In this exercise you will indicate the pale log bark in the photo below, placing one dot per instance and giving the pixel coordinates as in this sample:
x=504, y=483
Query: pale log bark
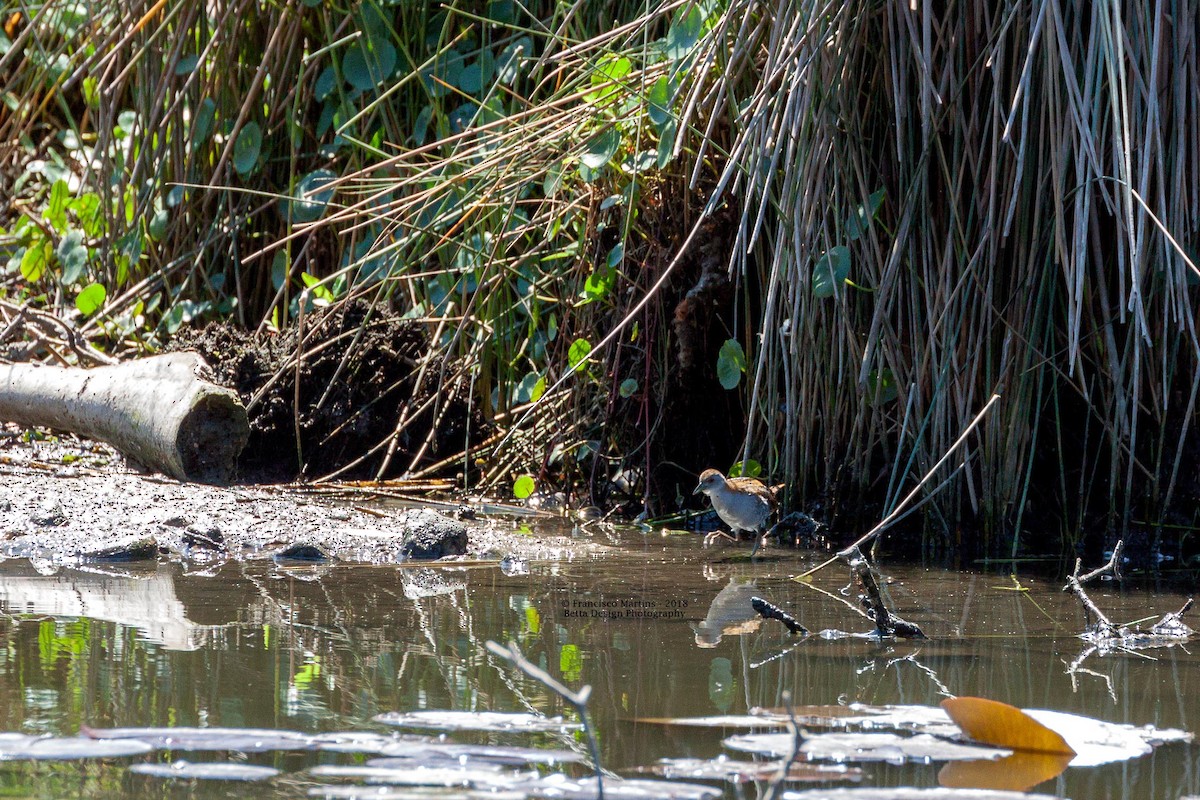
x=157, y=411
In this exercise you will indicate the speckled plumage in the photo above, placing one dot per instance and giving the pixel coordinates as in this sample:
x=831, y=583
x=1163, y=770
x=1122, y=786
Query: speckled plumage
x=745, y=504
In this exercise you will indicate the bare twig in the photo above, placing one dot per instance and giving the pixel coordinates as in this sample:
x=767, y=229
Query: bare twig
x=899, y=510
x=579, y=699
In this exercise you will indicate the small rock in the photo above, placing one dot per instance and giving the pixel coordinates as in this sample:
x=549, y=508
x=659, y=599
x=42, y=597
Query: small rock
x=210, y=539
x=301, y=552
x=430, y=535
x=49, y=514
x=177, y=521
x=133, y=548
x=465, y=512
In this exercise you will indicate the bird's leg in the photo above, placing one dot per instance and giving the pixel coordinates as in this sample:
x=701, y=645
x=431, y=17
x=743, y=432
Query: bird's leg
x=715, y=535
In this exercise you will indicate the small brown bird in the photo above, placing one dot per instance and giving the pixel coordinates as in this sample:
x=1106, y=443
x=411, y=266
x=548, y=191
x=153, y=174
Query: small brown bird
x=745, y=504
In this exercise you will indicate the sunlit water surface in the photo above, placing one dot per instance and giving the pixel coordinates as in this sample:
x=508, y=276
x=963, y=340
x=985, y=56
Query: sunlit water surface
x=659, y=629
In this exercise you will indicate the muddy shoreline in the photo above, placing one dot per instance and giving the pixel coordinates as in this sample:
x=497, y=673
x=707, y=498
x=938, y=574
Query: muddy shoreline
x=66, y=502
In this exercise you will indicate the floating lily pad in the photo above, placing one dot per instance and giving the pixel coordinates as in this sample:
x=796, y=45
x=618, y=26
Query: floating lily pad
x=356, y=742
x=1097, y=742
x=15, y=747
x=241, y=740
x=903, y=793
x=477, y=778
x=476, y=721
x=494, y=754
x=560, y=786
x=726, y=721
x=1094, y=741
x=725, y=769
x=408, y=793
x=856, y=747
x=210, y=771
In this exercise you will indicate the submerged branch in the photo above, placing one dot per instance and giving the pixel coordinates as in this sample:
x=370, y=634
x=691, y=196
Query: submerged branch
x=578, y=700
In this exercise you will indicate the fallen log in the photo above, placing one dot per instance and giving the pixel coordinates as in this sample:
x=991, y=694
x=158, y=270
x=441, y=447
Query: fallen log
x=157, y=411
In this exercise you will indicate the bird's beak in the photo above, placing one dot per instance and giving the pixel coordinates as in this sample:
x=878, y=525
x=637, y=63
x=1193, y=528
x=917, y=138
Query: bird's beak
x=699, y=486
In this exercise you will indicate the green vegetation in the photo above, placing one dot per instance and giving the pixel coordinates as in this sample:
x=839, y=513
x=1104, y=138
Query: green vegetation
x=916, y=209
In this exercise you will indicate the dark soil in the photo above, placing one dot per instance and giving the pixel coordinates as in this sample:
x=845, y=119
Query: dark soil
x=356, y=375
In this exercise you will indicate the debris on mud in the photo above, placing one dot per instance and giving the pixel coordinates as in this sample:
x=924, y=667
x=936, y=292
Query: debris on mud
x=360, y=389
x=64, y=502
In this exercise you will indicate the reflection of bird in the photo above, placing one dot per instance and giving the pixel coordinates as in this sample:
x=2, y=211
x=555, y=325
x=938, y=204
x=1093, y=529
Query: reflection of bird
x=745, y=504
x=730, y=614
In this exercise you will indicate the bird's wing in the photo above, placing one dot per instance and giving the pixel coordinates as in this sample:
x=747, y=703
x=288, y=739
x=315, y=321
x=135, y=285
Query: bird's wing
x=754, y=487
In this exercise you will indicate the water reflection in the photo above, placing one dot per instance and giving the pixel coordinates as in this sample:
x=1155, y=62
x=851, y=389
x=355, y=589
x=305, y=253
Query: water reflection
x=144, y=600
x=658, y=630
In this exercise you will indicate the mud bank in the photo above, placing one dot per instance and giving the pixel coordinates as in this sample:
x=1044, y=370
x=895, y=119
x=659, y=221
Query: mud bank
x=68, y=502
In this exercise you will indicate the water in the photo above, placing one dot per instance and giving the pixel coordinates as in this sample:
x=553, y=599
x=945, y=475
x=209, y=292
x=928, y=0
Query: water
x=654, y=628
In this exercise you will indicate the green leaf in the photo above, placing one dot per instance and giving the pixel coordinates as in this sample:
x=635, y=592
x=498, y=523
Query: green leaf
x=746, y=469
x=599, y=284
x=527, y=386
x=157, y=228
x=830, y=271
x=616, y=255
x=881, y=387
x=478, y=74
x=578, y=352
x=87, y=211
x=56, y=208
x=570, y=663
x=512, y=58
x=628, y=387
x=659, y=108
x=202, y=122
x=187, y=64
x=247, y=148
x=73, y=255
x=611, y=68
x=126, y=121
x=320, y=292
x=326, y=83
x=90, y=299
x=502, y=12
x=684, y=31
x=369, y=63
x=539, y=389
x=731, y=363
x=35, y=260
x=666, y=143
x=600, y=149
x=312, y=195
x=523, y=486
x=860, y=220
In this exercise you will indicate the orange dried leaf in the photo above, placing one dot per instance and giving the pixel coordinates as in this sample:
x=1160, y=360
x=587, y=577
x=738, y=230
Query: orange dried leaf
x=1001, y=725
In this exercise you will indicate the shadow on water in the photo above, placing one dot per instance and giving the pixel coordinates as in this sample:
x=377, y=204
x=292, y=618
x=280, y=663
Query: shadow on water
x=659, y=628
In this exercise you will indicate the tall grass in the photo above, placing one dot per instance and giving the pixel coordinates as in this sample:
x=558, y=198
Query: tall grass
x=933, y=203
x=1039, y=182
